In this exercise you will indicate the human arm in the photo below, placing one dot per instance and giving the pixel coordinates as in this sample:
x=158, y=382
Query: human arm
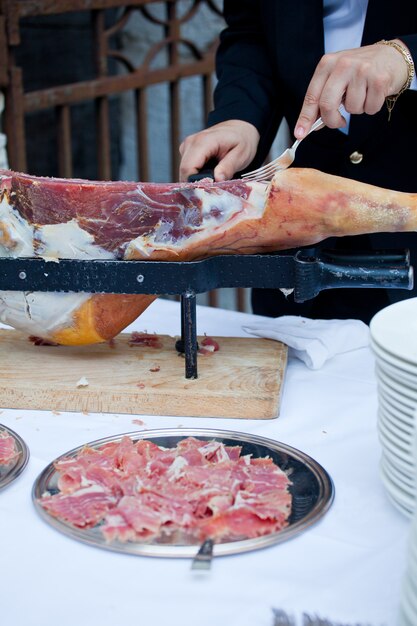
x=361, y=79
x=246, y=104
x=232, y=144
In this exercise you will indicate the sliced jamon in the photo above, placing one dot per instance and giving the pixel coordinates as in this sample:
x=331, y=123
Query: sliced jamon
x=140, y=491
x=8, y=448
x=116, y=528
x=145, y=520
x=208, y=346
x=240, y=523
x=83, y=508
x=145, y=339
x=59, y=218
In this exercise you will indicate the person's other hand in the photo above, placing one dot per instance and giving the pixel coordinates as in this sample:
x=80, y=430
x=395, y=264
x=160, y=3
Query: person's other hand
x=232, y=144
x=360, y=78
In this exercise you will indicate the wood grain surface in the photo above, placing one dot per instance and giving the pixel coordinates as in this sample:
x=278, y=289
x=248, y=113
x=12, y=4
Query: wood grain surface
x=243, y=379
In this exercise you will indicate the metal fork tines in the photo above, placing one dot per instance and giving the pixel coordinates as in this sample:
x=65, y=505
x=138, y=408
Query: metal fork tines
x=266, y=172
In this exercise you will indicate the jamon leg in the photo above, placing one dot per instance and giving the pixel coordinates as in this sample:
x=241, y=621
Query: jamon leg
x=305, y=206
x=59, y=218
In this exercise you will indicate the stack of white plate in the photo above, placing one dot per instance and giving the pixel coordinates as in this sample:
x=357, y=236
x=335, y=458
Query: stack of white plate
x=394, y=343
x=408, y=604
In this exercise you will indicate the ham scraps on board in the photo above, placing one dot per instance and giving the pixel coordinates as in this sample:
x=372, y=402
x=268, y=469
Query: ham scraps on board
x=138, y=491
x=144, y=339
x=66, y=218
x=8, y=449
x=208, y=345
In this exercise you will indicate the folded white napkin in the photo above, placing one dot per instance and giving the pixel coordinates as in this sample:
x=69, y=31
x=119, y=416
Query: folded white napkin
x=313, y=341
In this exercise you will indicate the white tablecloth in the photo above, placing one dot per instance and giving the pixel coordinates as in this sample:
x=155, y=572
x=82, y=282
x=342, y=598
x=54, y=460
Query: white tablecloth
x=347, y=567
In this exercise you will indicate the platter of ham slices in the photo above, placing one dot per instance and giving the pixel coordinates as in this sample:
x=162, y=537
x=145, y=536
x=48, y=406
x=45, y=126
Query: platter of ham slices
x=14, y=455
x=164, y=492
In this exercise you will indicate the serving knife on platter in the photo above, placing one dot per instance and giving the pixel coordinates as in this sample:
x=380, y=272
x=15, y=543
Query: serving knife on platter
x=204, y=556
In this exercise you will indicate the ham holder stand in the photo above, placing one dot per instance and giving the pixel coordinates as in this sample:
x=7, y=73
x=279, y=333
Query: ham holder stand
x=307, y=271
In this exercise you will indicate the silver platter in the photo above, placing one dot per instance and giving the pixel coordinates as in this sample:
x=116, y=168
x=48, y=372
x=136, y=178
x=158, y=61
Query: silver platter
x=10, y=472
x=312, y=493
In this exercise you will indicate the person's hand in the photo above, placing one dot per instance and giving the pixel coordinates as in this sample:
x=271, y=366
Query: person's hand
x=232, y=144
x=361, y=79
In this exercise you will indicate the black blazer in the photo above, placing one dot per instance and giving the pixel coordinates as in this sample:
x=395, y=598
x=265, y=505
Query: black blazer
x=266, y=58
x=265, y=61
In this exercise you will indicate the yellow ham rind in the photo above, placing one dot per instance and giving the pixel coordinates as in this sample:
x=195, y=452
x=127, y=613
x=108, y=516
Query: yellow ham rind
x=100, y=318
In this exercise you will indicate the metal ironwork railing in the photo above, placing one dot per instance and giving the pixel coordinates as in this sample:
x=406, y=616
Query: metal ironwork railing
x=170, y=16
x=135, y=78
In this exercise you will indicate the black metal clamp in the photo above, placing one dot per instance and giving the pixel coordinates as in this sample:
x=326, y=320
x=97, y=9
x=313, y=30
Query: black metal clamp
x=305, y=271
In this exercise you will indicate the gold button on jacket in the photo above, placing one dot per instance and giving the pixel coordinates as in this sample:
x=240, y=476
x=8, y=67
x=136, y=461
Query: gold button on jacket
x=356, y=157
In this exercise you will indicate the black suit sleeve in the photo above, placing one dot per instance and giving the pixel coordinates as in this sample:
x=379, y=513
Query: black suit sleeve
x=247, y=88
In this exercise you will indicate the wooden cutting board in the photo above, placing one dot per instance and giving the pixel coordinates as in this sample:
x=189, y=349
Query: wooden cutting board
x=243, y=379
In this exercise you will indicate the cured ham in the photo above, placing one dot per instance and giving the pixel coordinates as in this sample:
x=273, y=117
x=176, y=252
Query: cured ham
x=59, y=218
x=138, y=491
x=8, y=449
